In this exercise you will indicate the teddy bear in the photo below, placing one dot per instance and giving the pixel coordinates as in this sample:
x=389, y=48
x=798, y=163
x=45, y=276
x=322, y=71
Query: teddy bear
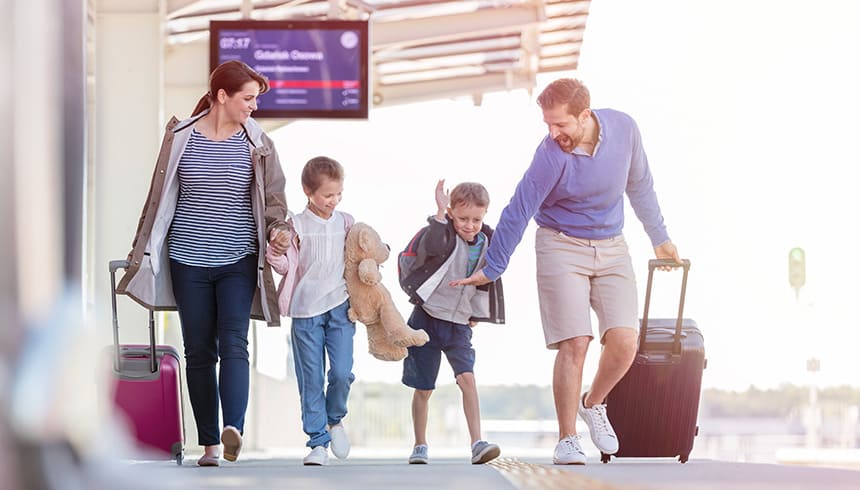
x=388, y=335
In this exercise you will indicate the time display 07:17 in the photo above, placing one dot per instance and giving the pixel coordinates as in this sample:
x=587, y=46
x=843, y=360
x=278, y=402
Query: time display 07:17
x=230, y=42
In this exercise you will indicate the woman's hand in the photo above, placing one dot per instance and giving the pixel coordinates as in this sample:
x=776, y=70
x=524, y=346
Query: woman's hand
x=280, y=241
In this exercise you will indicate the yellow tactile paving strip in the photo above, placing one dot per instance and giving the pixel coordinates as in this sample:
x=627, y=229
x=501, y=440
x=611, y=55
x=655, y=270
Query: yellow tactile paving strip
x=528, y=476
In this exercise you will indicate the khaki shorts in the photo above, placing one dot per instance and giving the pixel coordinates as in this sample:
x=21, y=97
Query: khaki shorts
x=577, y=274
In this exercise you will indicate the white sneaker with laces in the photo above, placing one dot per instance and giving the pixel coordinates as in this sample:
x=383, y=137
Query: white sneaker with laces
x=568, y=451
x=599, y=427
x=339, y=441
x=419, y=455
x=317, y=457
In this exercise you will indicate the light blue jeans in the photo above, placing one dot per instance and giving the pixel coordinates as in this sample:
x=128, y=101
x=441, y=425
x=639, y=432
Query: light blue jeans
x=312, y=338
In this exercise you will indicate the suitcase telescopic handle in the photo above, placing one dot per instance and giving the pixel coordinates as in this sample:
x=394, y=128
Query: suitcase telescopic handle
x=652, y=265
x=115, y=265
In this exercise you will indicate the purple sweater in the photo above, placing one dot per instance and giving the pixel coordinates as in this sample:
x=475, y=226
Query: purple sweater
x=580, y=195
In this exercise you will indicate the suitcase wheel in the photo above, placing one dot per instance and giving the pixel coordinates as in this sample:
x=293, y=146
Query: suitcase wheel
x=179, y=458
x=604, y=458
x=684, y=458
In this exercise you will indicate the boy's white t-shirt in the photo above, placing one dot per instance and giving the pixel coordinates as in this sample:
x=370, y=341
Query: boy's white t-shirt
x=320, y=285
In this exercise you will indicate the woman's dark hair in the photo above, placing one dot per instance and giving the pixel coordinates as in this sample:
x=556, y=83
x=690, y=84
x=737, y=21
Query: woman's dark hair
x=229, y=76
x=318, y=168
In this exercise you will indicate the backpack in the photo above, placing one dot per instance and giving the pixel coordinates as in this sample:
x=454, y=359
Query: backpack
x=408, y=262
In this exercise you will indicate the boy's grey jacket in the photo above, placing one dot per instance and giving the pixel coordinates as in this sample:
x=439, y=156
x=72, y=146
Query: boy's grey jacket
x=436, y=243
x=147, y=279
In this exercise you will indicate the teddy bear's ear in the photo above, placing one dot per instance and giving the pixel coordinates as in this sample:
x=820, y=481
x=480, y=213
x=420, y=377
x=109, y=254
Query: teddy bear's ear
x=364, y=239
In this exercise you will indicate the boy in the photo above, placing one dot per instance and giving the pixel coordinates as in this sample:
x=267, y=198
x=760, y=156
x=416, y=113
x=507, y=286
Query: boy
x=450, y=248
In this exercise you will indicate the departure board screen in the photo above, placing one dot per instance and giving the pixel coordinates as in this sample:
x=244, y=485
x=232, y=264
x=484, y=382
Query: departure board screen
x=316, y=69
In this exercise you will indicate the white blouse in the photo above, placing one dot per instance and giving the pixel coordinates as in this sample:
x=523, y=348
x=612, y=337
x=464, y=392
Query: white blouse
x=320, y=284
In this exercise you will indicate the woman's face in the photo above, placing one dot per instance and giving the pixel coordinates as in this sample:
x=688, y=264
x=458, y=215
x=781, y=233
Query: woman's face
x=240, y=105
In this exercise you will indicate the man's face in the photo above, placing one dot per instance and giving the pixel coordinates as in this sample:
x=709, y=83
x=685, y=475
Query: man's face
x=566, y=129
x=467, y=219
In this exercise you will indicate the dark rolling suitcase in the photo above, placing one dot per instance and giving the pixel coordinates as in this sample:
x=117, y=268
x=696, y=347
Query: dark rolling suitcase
x=653, y=408
x=148, y=388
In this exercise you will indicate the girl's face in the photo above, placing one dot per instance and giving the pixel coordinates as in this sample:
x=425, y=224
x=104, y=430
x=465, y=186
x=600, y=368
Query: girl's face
x=323, y=200
x=240, y=105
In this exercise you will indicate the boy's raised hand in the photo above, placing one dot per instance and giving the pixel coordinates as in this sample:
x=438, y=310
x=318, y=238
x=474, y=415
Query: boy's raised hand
x=442, y=199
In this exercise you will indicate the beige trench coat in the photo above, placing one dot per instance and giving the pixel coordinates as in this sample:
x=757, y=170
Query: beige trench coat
x=147, y=279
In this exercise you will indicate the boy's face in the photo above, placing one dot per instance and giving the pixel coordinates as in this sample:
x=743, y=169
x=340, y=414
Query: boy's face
x=467, y=219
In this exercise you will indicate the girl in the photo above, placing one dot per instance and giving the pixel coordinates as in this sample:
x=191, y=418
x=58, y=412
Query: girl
x=313, y=292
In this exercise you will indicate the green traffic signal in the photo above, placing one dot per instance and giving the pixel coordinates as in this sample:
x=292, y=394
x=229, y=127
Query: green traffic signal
x=797, y=267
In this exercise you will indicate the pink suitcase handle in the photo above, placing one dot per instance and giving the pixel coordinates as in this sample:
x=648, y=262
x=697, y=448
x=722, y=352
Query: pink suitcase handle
x=153, y=362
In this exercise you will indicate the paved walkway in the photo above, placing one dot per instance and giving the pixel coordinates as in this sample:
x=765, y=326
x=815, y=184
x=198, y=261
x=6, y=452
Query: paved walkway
x=262, y=471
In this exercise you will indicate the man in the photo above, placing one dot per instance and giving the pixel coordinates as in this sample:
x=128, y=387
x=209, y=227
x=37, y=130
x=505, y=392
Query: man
x=574, y=189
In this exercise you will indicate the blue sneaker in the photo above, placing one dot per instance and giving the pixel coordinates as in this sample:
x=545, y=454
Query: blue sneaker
x=483, y=451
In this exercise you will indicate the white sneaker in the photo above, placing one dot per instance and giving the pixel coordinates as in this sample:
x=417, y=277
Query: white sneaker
x=599, y=427
x=339, y=441
x=568, y=451
x=317, y=457
x=419, y=455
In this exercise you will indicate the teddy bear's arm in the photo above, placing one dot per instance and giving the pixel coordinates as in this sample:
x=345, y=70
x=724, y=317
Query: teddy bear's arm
x=368, y=272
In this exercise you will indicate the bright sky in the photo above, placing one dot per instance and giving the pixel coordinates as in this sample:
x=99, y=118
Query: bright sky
x=748, y=111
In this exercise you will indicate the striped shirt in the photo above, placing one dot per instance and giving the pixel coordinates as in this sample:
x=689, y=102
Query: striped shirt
x=213, y=225
x=475, y=250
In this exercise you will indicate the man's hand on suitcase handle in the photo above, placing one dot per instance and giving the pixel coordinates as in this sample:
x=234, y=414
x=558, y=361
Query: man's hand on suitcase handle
x=668, y=251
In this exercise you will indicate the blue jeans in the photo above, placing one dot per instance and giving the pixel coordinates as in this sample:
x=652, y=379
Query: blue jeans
x=215, y=310
x=312, y=338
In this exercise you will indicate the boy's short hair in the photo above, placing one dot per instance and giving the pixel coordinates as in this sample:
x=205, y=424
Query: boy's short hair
x=469, y=193
x=319, y=167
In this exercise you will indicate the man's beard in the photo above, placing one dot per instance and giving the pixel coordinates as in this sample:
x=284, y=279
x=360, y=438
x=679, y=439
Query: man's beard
x=566, y=143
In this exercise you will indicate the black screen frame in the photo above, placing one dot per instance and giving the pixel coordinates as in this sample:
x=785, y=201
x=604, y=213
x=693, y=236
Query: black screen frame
x=361, y=26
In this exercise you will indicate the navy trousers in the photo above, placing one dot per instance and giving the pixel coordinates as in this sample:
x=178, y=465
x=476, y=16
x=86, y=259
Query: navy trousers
x=215, y=310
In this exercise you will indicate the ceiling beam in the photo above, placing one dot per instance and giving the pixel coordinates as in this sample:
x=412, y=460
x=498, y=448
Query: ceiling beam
x=408, y=32
x=405, y=93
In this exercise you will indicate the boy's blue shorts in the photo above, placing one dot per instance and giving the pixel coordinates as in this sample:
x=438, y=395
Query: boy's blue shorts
x=421, y=367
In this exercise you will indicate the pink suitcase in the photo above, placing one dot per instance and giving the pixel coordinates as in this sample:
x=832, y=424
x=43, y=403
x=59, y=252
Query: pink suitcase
x=148, y=389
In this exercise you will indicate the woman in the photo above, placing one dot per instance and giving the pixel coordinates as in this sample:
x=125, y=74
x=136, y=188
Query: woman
x=216, y=194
